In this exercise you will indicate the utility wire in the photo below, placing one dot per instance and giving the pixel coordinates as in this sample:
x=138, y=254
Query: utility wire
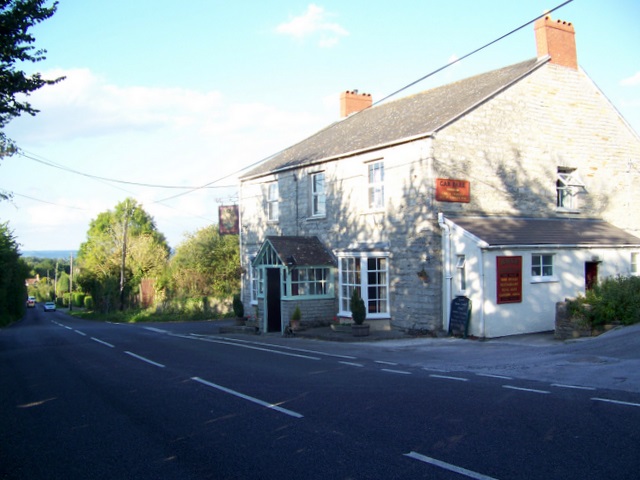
x=206, y=185
x=96, y=177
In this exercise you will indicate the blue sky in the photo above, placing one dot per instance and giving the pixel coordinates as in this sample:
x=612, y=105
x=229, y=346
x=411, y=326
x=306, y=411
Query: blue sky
x=185, y=93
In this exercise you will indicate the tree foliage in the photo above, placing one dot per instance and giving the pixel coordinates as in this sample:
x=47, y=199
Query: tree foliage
x=206, y=264
x=13, y=273
x=16, y=49
x=127, y=228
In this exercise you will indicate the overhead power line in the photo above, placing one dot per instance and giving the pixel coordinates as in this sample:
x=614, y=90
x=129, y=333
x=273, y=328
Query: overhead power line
x=97, y=177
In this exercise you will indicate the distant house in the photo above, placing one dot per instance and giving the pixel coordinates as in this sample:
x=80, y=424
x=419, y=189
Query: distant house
x=515, y=188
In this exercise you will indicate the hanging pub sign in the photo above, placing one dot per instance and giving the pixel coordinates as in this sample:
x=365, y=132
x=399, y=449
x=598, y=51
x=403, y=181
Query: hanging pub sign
x=228, y=220
x=450, y=190
x=509, y=279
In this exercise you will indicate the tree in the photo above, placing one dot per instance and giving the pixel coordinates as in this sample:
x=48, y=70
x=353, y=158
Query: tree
x=13, y=273
x=122, y=247
x=207, y=263
x=16, y=49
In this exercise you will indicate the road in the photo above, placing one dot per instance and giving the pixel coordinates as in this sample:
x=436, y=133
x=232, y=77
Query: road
x=90, y=400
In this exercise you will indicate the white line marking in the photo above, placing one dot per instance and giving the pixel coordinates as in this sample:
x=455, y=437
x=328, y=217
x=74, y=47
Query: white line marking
x=100, y=341
x=282, y=347
x=503, y=377
x=157, y=330
x=381, y=362
x=617, y=402
x=448, y=466
x=352, y=364
x=247, y=397
x=402, y=372
x=145, y=359
x=211, y=340
x=576, y=387
x=447, y=377
x=525, y=389
x=68, y=328
x=80, y=333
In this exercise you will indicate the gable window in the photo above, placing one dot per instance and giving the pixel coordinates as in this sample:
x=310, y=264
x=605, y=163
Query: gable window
x=257, y=285
x=568, y=185
x=542, y=268
x=369, y=274
x=272, y=202
x=635, y=263
x=318, y=195
x=376, y=185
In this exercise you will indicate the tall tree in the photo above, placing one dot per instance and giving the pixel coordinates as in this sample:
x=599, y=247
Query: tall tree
x=122, y=247
x=207, y=263
x=16, y=49
x=13, y=273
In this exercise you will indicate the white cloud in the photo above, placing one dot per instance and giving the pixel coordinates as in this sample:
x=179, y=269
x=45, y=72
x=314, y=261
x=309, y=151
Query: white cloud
x=631, y=81
x=314, y=22
x=85, y=105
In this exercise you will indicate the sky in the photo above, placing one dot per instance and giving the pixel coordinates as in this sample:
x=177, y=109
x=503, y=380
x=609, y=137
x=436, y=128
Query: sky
x=188, y=94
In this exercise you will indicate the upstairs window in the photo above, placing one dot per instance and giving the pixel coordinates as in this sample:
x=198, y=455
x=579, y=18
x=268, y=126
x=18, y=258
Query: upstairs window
x=635, y=266
x=272, y=202
x=318, y=195
x=376, y=185
x=568, y=185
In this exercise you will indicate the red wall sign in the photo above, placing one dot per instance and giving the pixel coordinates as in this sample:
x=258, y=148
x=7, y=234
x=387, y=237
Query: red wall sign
x=449, y=190
x=509, y=279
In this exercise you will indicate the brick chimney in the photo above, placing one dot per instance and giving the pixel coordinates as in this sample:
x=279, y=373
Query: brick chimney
x=556, y=38
x=352, y=102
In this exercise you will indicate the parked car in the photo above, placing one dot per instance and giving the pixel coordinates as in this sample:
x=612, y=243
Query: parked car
x=31, y=302
x=49, y=307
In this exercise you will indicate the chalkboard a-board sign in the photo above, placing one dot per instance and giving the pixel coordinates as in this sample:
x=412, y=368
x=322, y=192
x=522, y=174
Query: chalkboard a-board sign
x=459, y=316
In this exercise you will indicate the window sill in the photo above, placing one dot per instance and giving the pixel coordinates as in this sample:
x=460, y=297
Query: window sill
x=551, y=279
x=567, y=210
x=313, y=218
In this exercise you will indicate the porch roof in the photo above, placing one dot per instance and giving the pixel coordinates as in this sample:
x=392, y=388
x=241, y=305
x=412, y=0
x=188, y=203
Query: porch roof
x=295, y=251
x=510, y=231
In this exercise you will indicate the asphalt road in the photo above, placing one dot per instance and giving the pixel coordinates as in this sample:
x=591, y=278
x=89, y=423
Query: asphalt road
x=88, y=400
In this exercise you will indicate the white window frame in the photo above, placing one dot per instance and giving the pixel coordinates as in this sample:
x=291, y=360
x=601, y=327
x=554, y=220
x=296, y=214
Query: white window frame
x=358, y=276
x=543, y=267
x=635, y=263
x=318, y=194
x=375, y=182
x=568, y=185
x=462, y=273
x=273, y=210
x=310, y=282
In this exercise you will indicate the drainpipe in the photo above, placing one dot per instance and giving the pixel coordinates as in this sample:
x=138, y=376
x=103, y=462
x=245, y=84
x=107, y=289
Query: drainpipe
x=482, y=290
x=446, y=263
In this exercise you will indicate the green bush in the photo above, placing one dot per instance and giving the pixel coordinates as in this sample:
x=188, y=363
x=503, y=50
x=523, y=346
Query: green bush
x=613, y=300
x=78, y=299
x=358, y=308
x=88, y=302
x=238, y=307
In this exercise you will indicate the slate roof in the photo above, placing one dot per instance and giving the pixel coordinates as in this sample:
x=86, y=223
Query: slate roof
x=501, y=231
x=301, y=251
x=411, y=117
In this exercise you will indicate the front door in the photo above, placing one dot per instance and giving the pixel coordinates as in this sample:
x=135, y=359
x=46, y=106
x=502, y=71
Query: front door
x=590, y=275
x=274, y=316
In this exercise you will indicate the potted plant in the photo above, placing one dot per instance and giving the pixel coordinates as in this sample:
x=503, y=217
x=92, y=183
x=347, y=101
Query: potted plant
x=238, y=309
x=358, y=313
x=296, y=316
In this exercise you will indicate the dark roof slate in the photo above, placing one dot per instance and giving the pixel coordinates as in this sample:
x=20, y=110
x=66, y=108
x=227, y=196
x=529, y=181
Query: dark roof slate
x=393, y=122
x=301, y=251
x=501, y=231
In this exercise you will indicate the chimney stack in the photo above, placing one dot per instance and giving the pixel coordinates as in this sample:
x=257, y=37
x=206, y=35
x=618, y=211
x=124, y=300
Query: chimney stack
x=352, y=102
x=556, y=38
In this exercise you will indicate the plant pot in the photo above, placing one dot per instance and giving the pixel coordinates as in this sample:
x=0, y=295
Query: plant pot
x=295, y=325
x=360, y=330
